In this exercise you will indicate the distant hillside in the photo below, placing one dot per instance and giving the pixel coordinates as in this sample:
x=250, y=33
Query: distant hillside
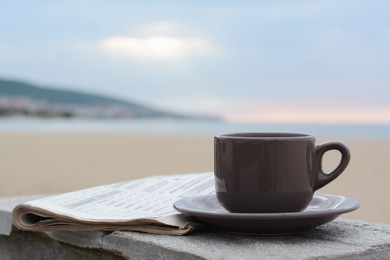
x=18, y=97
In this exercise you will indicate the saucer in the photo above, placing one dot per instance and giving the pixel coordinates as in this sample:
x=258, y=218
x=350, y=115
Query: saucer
x=322, y=209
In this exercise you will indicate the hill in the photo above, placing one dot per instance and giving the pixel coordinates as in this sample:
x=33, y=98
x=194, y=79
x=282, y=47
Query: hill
x=21, y=98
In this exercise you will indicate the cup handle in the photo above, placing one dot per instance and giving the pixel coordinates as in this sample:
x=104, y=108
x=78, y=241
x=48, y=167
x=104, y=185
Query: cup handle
x=322, y=177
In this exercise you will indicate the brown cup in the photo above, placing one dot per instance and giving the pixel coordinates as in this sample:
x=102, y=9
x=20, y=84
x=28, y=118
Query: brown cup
x=271, y=172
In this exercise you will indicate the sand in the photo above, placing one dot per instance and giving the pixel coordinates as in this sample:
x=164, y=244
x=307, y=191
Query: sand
x=41, y=163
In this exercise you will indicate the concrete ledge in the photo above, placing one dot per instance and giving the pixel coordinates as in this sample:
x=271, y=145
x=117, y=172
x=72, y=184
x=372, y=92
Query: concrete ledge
x=340, y=239
x=36, y=245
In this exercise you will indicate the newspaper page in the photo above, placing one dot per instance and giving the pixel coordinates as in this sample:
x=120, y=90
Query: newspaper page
x=144, y=205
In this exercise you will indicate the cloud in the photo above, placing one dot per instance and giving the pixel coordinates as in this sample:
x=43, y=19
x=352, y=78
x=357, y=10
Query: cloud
x=155, y=41
x=157, y=47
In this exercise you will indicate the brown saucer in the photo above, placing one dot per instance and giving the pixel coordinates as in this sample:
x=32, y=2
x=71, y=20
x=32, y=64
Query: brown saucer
x=322, y=209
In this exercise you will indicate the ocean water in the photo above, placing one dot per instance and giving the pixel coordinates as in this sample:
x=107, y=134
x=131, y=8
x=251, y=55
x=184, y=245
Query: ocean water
x=154, y=126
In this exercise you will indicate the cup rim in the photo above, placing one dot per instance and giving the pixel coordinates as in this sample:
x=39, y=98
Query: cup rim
x=266, y=136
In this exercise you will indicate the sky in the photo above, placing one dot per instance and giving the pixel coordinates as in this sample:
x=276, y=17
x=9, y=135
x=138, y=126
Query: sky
x=247, y=61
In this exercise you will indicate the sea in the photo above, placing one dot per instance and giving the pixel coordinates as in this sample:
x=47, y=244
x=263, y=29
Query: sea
x=172, y=126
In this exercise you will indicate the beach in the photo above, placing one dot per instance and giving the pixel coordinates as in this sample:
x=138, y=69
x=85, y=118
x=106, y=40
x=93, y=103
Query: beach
x=47, y=163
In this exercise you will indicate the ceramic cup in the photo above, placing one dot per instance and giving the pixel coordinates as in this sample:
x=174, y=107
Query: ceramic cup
x=271, y=172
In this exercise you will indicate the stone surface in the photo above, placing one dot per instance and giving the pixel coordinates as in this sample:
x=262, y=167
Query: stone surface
x=36, y=245
x=340, y=239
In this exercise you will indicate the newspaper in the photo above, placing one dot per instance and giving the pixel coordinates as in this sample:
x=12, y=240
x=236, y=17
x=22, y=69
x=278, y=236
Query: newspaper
x=144, y=205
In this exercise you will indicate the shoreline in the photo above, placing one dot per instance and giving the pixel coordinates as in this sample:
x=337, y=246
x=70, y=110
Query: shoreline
x=44, y=163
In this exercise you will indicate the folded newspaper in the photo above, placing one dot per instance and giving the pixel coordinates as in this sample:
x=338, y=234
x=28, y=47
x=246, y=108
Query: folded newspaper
x=144, y=205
